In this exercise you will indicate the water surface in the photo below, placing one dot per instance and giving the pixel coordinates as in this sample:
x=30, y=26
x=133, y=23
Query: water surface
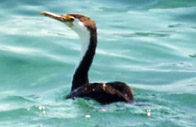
x=150, y=44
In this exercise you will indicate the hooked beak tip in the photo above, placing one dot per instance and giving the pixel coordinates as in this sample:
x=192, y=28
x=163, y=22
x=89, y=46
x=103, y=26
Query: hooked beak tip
x=42, y=13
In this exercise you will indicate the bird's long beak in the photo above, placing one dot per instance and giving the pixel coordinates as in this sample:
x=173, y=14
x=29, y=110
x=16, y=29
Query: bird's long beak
x=67, y=19
x=54, y=16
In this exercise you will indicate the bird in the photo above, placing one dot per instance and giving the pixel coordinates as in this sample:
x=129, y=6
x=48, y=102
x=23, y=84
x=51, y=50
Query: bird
x=103, y=93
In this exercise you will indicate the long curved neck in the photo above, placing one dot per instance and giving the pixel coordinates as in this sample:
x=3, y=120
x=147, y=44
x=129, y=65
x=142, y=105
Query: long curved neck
x=89, y=42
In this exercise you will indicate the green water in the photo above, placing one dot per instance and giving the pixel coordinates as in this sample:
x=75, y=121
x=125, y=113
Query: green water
x=150, y=44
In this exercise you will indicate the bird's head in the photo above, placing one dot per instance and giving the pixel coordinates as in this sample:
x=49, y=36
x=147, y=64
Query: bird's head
x=79, y=23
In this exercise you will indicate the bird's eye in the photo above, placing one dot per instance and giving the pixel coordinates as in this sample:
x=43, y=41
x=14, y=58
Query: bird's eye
x=70, y=20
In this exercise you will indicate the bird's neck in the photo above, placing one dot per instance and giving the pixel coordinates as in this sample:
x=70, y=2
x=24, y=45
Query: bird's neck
x=88, y=47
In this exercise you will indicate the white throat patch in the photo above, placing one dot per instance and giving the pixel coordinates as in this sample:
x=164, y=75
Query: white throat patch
x=84, y=35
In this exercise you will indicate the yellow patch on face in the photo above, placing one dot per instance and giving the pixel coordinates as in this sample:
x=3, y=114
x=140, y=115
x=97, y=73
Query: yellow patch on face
x=69, y=17
x=69, y=24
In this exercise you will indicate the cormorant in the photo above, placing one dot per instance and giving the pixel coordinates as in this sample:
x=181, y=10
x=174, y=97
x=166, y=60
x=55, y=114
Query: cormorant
x=104, y=93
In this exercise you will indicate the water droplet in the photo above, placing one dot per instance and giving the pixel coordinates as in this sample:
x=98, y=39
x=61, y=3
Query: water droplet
x=41, y=107
x=44, y=112
x=148, y=112
x=87, y=116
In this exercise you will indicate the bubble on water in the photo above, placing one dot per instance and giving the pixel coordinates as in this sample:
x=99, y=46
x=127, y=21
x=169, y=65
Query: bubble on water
x=44, y=112
x=148, y=112
x=41, y=107
x=87, y=116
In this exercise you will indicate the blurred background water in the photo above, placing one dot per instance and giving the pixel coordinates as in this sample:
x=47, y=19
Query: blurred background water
x=149, y=44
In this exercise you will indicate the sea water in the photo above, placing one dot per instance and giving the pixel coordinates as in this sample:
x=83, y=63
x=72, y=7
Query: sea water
x=149, y=44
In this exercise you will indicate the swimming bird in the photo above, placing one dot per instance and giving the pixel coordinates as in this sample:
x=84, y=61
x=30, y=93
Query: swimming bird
x=104, y=93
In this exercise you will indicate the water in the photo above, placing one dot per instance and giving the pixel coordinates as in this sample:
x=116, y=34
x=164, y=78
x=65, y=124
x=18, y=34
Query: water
x=149, y=44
